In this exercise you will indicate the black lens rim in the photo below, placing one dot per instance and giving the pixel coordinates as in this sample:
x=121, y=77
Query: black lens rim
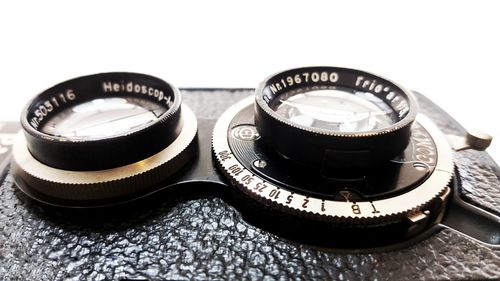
x=333, y=149
x=109, y=152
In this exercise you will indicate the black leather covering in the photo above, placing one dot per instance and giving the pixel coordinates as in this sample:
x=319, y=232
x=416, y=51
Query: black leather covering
x=201, y=237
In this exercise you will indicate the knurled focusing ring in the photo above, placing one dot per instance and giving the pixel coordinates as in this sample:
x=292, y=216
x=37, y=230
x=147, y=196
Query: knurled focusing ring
x=125, y=117
x=350, y=133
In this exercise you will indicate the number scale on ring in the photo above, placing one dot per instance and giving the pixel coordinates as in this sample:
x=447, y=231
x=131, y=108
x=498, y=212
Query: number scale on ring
x=376, y=210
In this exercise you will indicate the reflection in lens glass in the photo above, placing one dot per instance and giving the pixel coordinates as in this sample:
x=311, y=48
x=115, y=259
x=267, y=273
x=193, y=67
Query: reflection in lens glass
x=337, y=109
x=101, y=118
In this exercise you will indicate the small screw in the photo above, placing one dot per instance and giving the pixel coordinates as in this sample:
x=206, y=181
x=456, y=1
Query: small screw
x=260, y=163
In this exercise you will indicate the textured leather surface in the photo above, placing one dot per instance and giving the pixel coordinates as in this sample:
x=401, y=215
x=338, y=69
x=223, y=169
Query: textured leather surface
x=480, y=174
x=480, y=185
x=204, y=238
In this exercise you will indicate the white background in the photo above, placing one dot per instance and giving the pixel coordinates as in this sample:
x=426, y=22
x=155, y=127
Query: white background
x=448, y=50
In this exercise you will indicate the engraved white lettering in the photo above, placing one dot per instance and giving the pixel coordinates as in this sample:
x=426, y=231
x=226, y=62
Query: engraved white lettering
x=132, y=87
x=106, y=87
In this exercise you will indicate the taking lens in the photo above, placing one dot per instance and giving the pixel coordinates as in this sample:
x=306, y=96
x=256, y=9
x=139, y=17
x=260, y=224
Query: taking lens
x=335, y=109
x=334, y=118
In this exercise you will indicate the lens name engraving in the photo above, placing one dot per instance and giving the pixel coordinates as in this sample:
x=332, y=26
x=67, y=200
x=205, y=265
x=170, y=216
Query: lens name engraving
x=371, y=85
x=132, y=87
x=324, y=77
x=424, y=149
x=399, y=104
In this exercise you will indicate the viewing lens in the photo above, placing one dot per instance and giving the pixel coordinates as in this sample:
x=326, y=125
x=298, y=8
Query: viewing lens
x=103, y=139
x=102, y=121
x=104, y=117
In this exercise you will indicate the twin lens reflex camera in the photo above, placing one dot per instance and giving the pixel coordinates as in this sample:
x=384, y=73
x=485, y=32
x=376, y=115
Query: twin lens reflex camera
x=318, y=173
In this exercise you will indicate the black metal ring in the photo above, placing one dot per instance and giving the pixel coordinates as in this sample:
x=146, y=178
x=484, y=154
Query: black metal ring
x=332, y=150
x=108, y=152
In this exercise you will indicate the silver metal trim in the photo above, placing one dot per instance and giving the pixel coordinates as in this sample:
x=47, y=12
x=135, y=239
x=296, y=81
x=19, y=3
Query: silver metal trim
x=109, y=183
x=401, y=205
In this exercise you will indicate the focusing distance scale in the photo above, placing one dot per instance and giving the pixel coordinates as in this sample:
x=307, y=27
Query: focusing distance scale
x=102, y=121
x=334, y=118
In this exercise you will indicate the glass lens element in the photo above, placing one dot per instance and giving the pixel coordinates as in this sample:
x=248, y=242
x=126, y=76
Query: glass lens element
x=335, y=109
x=100, y=118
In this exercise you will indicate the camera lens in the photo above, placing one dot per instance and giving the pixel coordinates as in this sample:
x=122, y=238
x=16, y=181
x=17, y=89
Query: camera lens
x=337, y=146
x=102, y=121
x=101, y=118
x=334, y=118
x=340, y=110
x=98, y=139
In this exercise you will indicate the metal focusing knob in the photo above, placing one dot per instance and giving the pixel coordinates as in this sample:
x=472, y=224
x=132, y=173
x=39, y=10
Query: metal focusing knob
x=99, y=139
x=479, y=140
x=476, y=140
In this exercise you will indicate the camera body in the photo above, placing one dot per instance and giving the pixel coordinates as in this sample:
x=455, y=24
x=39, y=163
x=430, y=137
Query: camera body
x=197, y=229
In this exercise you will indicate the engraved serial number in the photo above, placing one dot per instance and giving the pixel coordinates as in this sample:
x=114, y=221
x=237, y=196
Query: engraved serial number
x=304, y=77
x=50, y=104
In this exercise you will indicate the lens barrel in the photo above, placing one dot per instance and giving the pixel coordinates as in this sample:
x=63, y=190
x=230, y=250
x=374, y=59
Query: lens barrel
x=333, y=149
x=102, y=140
x=62, y=151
